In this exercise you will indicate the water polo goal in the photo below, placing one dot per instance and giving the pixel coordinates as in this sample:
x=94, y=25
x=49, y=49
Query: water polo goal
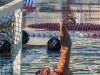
x=10, y=30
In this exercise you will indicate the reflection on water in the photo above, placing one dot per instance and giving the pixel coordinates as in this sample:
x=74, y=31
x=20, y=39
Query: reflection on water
x=85, y=58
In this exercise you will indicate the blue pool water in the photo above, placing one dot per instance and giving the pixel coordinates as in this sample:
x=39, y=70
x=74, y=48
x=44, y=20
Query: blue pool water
x=85, y=57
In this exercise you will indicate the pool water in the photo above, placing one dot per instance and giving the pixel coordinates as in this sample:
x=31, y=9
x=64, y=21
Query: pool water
x=85, y=57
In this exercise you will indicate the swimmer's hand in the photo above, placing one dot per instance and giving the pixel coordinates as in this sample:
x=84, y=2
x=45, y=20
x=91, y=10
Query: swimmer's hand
x=67, y=20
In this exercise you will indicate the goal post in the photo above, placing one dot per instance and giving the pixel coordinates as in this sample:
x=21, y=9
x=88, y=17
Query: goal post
x=17, y=43
x=11, y=22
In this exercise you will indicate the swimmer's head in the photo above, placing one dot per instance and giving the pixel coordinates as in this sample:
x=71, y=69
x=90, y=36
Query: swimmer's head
x=53, y=45
x=25, y=37
x=5, y=46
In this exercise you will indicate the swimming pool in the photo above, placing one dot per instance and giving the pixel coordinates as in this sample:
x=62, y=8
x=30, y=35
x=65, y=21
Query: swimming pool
x=85, y=57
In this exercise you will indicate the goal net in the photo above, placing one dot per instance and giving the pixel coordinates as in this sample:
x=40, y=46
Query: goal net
x=10, y=37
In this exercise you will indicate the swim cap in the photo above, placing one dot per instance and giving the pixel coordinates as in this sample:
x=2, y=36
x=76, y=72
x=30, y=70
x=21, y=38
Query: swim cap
x=5, y=46
x=25, y=37
x=53, y=44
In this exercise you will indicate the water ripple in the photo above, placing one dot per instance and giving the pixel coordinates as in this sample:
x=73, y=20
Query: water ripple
x=85, y=58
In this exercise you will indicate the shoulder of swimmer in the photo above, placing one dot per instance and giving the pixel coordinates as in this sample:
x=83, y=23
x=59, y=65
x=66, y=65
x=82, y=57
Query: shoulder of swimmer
x=31, y=46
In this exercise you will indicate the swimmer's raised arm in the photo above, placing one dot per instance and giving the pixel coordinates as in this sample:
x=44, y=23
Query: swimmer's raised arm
x=65, y=40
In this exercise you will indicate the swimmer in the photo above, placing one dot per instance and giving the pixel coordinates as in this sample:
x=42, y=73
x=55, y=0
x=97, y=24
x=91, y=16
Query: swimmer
x=53, y=44
x=25, y=39
x=65, y=41
x=5, y=48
